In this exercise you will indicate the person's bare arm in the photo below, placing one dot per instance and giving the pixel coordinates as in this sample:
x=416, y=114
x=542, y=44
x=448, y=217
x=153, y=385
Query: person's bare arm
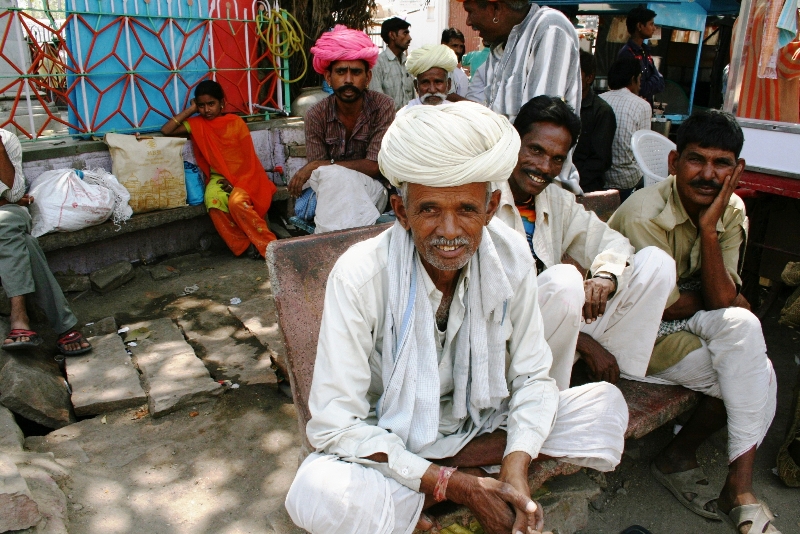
x=490, y=500
x=718, y=288
x=364, y=166
x=455, y=97
x=689, y=303
x=174, y=127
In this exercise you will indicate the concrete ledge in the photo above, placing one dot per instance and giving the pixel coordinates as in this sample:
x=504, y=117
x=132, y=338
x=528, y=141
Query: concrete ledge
x=65, y=147
x=141, y=221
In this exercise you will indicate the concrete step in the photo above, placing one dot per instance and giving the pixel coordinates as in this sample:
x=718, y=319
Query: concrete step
x=173, y=376
x=104, y=379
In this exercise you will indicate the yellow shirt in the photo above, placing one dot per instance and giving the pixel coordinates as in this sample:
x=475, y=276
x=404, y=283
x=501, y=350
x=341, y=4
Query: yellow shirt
x=655, y=216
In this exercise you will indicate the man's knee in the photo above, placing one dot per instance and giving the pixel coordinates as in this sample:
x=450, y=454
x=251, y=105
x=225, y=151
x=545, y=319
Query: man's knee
x=659, y=264
x=564, y=282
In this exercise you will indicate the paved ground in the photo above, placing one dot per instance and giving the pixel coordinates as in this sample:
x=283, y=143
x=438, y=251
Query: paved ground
x=224, y=466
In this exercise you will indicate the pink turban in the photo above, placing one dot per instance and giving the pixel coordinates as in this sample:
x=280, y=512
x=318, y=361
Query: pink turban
x=343, y=44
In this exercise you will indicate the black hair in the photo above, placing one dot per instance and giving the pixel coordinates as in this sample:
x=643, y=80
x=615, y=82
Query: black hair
x=711, y=128
x=515, y=5
x=393, y=24
x=588, y=63
x=452, y=33
x=623, y=71
x=638, y=15
x=210, y=88
x=550, y=109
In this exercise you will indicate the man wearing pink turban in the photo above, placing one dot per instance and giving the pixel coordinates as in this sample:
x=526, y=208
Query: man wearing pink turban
x=343, y=136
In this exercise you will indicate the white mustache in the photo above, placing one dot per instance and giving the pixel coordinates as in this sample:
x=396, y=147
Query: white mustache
x=426, y=96
x=442, y=242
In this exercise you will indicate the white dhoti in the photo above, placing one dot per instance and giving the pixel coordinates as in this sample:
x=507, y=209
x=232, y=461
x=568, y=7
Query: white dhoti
x=345, y=198
x=627, y=329
x=331, y=496
x=731, y=365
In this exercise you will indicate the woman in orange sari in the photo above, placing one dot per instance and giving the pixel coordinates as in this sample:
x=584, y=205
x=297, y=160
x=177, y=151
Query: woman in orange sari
x=238, y=191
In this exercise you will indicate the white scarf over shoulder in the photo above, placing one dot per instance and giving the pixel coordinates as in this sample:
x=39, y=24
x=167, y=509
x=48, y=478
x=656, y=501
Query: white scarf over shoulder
x=409, y=406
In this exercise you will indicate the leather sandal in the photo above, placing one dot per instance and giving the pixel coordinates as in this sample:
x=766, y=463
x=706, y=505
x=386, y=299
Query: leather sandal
x=683, y=482
x=758, y=514
x=34, y=340
x=73, y=336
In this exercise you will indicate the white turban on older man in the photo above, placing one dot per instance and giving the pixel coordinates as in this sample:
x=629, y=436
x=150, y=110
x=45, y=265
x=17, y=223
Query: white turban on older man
x=429, y=56
x=448, y=145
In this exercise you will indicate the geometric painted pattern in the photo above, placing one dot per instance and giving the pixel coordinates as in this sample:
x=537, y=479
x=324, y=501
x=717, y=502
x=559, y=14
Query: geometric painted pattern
x=129, y=65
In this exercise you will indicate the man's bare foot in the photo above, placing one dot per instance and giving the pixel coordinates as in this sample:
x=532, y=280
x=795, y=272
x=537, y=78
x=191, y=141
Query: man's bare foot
x=72, y=342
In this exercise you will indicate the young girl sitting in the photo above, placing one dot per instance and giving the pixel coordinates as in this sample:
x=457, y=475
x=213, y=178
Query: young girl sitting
x=238, y=191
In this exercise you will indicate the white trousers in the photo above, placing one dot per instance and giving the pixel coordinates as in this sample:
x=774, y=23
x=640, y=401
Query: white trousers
x=627, y=329
x=732, y=365
x=331, y=496
x=345, y=198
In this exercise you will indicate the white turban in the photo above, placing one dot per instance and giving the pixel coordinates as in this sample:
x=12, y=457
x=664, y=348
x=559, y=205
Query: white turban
x=448, y=145
x=429, y=56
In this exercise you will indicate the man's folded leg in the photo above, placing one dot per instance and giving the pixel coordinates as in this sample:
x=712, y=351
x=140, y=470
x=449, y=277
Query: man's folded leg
x=590, y=427
x=331, y=496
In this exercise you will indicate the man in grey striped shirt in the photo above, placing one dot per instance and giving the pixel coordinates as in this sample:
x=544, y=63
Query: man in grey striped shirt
x=534, y=52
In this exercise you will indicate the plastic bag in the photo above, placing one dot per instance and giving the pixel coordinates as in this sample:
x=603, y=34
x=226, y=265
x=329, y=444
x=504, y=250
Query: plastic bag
x=65, y=203
x=195, y=184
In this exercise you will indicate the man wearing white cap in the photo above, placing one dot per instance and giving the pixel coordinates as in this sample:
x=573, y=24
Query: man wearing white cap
x=431, y=355
x=431, y=66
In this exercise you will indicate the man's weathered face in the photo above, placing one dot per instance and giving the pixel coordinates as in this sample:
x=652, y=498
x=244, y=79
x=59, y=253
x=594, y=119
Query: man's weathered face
x=457, y=45
x=481, y=19
x=432, y=86
x=699, y=174
x=542, y=155
x=401, y=38
x=446, y=223
x=348, y=79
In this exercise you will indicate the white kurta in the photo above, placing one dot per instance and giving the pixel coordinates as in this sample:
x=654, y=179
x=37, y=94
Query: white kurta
x=629, y=327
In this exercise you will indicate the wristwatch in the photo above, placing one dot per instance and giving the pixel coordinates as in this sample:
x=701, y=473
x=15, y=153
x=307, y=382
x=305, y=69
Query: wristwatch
x=607, y=276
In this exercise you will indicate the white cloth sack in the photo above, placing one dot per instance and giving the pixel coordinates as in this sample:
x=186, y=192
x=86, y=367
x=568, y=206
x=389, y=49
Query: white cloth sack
x=345, y=198
x=150, y=169
x=63, y=202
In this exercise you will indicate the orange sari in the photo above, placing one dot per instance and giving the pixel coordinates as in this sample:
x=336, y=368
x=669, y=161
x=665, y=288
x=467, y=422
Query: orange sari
x=224, y=144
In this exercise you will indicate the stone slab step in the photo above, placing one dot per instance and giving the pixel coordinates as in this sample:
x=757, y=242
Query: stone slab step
x=227, y=349
x=258, y=315
x=172, y=375
x=104, y=379
x=35, y=393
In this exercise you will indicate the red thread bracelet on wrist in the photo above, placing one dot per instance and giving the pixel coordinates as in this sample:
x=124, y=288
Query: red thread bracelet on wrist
x=440, y=490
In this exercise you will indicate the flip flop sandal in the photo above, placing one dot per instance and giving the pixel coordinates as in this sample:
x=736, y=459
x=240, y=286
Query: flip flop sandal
x=758, y=514
x=679, y=484
x=73, y=336
x=34, y=340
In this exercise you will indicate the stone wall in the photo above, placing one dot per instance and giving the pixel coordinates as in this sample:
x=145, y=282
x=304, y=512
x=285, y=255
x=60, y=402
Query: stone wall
x=277, y=142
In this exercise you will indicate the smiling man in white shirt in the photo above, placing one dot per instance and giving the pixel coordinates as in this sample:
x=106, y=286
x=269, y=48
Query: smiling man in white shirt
x=431, y=355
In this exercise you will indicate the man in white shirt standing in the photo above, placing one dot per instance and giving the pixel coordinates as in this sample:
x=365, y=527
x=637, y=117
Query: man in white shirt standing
x=23, y=266
x=454, y=39
x=431, y=355
x=389, y=76
x=633, y=113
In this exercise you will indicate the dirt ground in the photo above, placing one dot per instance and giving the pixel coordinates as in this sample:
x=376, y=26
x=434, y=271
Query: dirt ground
x=224, y=467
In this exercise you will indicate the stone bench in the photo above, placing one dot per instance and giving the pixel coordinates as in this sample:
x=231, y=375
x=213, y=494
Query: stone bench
x=143, y=237
x=298, y=272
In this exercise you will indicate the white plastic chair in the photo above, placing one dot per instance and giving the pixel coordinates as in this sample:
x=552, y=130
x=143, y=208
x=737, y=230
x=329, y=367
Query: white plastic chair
x=651, y=149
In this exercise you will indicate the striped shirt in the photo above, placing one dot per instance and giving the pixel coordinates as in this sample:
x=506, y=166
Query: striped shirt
x=633, y=114
x=540, y=57
x=14, y=152
x=390, y=77
x=765, y=98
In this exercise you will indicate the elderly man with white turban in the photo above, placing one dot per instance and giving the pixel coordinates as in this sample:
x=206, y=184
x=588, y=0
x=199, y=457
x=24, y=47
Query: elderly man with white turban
x=431, y=355
x=432, y=66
